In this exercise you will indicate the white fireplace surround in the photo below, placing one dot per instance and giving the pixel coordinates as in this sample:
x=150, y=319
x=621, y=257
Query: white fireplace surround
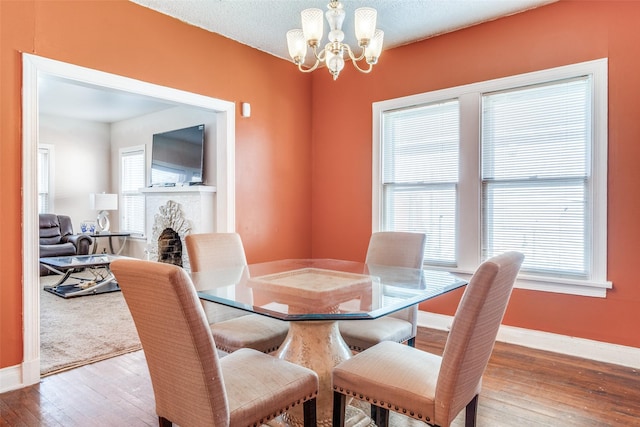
x=197, y=205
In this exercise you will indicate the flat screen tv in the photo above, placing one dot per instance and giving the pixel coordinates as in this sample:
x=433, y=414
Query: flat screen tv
x=177, y=157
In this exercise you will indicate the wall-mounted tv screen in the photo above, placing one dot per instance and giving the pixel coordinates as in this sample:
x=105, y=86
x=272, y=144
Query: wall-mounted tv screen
x=177, y=157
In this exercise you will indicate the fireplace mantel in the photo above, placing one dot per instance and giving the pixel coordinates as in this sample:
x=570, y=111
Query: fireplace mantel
x=180, y=189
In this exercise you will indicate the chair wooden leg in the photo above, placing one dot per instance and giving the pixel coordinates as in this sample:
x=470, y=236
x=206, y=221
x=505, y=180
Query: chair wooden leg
x=471, y=412
x=380, y=416
x=339, y=406
x=163, y=422
x=411, y=342
x=309, y=409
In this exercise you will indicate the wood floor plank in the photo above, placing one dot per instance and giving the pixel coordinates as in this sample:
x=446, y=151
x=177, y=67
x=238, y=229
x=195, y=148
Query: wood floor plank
x=521, y=387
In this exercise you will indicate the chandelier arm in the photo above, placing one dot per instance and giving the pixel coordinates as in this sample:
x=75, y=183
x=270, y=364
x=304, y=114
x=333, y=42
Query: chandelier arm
x=355, y=60
x=319, y=56
x=365, y=71
x=352, y=55
x=309, y=69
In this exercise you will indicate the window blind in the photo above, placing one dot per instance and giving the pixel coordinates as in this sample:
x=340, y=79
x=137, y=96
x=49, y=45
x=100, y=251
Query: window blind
x=133, y=178
x=44, y=175
x=420, y=175
x=536, y=144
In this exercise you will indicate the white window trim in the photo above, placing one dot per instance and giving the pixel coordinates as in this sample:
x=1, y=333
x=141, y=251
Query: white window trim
x=121, y=153
x=468, y=231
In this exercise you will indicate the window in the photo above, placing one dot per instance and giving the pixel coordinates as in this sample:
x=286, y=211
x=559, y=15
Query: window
x=535, y=175
x=132, y=179
x=45, y=178
x=517, y=163
x=420, y=175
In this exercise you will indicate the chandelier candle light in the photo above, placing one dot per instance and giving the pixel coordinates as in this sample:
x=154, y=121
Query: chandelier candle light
x=333, y=53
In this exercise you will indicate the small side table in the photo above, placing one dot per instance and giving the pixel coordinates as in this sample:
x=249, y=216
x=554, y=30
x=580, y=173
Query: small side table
x=110, y=235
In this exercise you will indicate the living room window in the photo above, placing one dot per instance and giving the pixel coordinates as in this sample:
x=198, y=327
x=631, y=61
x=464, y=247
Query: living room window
x=132, y=179
x=517, y=163
x=45, y=178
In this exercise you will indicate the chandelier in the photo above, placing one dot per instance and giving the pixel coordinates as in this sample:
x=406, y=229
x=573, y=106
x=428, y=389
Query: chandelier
x=333, y=53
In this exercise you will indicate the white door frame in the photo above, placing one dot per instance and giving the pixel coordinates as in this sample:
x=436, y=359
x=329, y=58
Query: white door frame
x=35, y=66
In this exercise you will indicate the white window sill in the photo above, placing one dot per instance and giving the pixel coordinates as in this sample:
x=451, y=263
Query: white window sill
x=556, y=285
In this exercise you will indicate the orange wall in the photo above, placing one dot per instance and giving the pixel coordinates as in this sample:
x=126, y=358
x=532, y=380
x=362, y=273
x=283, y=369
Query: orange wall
x=120, y=37
x=554, y=35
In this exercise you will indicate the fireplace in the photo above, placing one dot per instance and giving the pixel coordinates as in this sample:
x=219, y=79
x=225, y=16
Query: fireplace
x=170, y=227
x=170, y=247
x=171, y=215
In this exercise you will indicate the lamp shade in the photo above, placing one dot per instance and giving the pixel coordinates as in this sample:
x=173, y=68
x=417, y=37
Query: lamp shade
x=373, y=51
x=365, y=23
x=312, y=24
x=297, y=45
x=103, y=202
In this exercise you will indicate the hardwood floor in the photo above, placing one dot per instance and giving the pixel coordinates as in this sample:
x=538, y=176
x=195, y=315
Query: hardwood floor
x=521, y=387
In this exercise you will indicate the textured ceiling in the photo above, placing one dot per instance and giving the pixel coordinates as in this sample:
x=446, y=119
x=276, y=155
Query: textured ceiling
x=262, y=24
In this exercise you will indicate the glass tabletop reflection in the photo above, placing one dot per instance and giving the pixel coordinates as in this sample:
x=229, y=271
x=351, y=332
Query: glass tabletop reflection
x=322, y=289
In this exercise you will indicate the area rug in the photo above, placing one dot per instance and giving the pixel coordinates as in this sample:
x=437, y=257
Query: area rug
x=81, y=330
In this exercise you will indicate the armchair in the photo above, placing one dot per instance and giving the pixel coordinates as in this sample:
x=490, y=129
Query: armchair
x=57, y=238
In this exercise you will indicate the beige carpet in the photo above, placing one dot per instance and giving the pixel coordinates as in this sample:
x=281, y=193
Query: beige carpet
x=82, y=330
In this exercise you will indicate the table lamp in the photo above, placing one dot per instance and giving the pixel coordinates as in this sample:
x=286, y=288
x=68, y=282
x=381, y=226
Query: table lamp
x=103, y=202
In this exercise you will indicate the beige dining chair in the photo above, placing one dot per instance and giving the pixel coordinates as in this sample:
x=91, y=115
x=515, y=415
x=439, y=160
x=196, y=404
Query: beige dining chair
x=421, y=385
x=191, y=384
x=213, y=250
x=397, y=249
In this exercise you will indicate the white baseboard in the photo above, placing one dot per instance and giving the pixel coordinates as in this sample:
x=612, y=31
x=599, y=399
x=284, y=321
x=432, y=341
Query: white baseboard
x=11, y=378
x=19, y=376
x=579, y=347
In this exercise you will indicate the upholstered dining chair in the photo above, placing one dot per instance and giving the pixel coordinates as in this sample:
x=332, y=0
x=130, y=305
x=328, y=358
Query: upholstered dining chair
x=241, y=330
x=421, y=385
x=397, y=249
x=191, y=384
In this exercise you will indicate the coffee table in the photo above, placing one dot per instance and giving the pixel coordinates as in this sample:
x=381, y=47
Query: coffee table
x=100, y=280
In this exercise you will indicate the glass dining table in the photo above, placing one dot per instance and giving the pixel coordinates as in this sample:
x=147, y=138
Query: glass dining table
x=313, y=295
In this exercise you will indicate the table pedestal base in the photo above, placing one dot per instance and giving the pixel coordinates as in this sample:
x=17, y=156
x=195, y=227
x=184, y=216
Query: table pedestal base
x=319, y=346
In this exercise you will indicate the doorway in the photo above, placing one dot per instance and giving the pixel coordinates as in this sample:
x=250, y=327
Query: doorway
x=34, y=68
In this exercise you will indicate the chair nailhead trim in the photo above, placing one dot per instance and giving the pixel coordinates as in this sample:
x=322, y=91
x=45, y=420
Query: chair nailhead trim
x=281, y=411
x=381, y=403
